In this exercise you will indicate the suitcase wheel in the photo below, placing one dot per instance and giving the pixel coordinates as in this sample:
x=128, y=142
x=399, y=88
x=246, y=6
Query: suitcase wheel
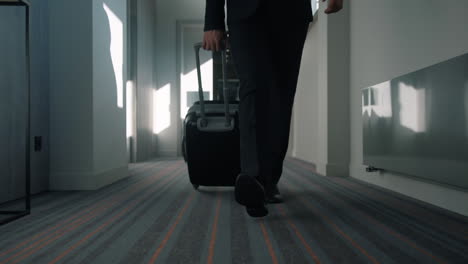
x=195, y=186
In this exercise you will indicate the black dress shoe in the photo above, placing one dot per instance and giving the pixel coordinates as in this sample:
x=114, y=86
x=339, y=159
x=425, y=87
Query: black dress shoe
x=250, y=193
x=257, y=211
x=273, y=196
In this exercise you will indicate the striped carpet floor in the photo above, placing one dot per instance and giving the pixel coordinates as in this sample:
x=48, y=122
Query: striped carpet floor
x=155, y=216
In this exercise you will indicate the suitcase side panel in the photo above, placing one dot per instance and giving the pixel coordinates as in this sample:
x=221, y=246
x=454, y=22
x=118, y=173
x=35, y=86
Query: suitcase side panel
x=213, y=158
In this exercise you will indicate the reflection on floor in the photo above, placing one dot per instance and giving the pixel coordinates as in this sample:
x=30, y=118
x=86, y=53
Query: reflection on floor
x=156, y=216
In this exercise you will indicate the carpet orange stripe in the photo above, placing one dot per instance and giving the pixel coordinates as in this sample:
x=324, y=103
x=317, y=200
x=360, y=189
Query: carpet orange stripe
x=61, y=224
x=268, y=242
x=390, y=231
x=299, y=235
x=113, y=219
x=215, y=229
x=343, y=234
x=438, y=260
x=45, y=241
x=70, y=249
x=47, y=231
x=156, y=254
x=356, y=245
x=57, y=235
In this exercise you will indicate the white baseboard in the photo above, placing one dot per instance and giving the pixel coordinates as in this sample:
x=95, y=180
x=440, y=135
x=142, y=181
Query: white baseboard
x=71, y=181
x=86, y=180
x=436, y=194
x=329, y=169
x=442, y=196
x=110, y=176
x=167, y=153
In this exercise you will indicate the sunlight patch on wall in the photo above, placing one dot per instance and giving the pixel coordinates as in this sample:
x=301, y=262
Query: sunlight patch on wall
x=129, y=97
x=383, y=100
x=116, y=50
x=365, y=107
x=161, y=109
x=315, y=6
x=378, y=100
x=189, y=83
x=412, y=108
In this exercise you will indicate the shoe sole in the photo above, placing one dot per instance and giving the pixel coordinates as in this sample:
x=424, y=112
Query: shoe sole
x=257, y=211
x=274, y=201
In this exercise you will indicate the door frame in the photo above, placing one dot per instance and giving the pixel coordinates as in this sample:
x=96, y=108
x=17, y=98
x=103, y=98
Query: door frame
x=180, y=26
x=131, y=60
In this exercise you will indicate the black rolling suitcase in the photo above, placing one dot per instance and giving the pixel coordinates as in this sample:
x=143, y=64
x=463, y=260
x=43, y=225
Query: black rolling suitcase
x=210, y=143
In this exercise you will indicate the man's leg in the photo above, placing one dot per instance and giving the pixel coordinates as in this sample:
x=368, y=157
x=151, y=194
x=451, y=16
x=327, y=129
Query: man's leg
x=252, y=57
x=251, y=54
x=288, y=49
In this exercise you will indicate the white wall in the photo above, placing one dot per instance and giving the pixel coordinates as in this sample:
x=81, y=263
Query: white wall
x=392, y=38
x=321, y=121
x=306, y=106
x=109, y=78
x=387, y=39
x=40, y=93
x=13, y=113
x=71, y=105
x=144, y=79
x=13, y=85
x=338, y=133
x=87, y=126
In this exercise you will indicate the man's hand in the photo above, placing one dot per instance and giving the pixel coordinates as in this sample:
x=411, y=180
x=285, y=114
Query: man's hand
x=333, y=6
x=213, y=40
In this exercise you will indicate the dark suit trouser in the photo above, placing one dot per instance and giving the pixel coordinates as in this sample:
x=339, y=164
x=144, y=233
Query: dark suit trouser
x=267, y=54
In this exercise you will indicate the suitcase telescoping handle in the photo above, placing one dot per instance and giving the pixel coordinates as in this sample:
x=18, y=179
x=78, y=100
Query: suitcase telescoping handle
x=203, y=119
